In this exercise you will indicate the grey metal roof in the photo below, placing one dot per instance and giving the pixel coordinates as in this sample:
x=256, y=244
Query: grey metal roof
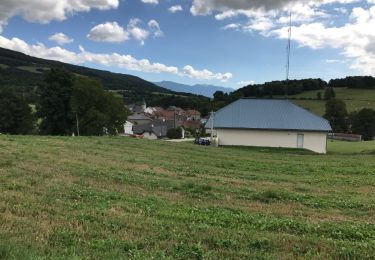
x=268, y=114
x=159, y=127
x=138, y=116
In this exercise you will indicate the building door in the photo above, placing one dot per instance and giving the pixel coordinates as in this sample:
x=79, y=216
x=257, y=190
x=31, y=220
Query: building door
x=300, y=140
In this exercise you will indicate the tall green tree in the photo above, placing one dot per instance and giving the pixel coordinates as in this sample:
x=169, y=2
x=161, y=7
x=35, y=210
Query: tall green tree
x=116, y=112
x=15, y=114
x=95, y=110
x=54, y=103
x=363, y=123
x=220, y=96
x=337, y=115
x=329, y=93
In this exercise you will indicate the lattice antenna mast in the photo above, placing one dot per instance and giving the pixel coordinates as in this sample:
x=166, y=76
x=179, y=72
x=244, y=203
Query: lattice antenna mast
x=288, y=56
x=288, y=47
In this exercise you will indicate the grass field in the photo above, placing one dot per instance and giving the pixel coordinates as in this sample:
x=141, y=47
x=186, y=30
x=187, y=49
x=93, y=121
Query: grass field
x=337, y=147
x=32, y=69
x=116, y=198
x=355, y=99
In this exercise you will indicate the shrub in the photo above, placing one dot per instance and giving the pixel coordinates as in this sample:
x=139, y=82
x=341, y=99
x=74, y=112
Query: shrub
x=174, y=133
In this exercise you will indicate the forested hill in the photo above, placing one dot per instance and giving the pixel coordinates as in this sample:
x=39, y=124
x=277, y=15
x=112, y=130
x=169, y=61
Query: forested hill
x=295, y=87
x=20, y=70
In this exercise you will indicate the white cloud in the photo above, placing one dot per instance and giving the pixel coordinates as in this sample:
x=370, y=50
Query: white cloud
x=60, y=38
x=232, y=26
x=137, y=32
x=175, y=9
x=154, y=2
x=127, y=62
x=356, y=39
x=206, y=74
x=44, y=11
x=155, y=28
x=341, y=10
x=245, y=83
x=39, y=50
x=108, y=32
x=313, y=24
x=205, y=7
x=113, y=32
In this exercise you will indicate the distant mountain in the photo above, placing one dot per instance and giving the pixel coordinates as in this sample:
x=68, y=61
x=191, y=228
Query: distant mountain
x=20, y=70
x=204, y=90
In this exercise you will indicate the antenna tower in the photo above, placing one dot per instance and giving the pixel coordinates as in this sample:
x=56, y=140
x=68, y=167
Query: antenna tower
x=288, y=47
x=288, y=55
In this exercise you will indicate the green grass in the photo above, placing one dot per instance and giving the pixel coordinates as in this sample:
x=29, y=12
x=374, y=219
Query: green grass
x=32, y=69
x=339, y=147
x=3, y=66
x=355, y=99
x=119, y=198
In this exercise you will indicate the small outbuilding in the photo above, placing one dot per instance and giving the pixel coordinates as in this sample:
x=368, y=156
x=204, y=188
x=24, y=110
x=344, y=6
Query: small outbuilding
x=269, y=123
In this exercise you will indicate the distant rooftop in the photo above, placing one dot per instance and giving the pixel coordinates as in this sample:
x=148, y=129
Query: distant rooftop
x=159, y=127
x=138, y=116
x=268, y=114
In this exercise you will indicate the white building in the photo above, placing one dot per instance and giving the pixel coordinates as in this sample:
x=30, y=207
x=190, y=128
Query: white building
x=270, y=123
x=128, y=128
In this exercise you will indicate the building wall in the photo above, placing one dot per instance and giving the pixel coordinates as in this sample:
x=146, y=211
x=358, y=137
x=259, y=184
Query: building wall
x=313, y=141
x=128, y=128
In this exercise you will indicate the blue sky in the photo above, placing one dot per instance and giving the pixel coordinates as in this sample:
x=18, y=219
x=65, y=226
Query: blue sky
x=221, y=42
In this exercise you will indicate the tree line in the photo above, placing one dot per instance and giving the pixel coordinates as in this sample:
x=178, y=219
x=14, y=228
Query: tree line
x=65, y=104
x=294, y=87
x=360, y=122
x=357, y=82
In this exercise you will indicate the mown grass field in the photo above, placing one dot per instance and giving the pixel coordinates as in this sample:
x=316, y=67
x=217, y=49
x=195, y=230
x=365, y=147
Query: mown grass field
x=119, y=198
x=355, y=99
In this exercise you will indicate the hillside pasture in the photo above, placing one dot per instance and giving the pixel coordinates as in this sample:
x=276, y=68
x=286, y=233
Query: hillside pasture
x=120, y=198
x=355, y=99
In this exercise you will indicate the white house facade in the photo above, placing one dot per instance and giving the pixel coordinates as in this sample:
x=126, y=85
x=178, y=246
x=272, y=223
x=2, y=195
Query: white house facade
x=313, y=141
x=270, y=123
x=128, y=128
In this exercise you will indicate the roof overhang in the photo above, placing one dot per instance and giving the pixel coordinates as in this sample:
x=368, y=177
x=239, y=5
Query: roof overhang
x=273, y=129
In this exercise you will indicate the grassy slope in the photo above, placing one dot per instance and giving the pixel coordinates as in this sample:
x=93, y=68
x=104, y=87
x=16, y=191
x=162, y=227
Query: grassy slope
x=355, y=99
x=338, y=147
x=111, y=198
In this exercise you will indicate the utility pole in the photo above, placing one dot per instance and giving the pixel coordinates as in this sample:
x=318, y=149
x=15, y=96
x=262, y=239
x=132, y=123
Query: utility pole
x=77, y=124
x=174, y=118
x=212, y=126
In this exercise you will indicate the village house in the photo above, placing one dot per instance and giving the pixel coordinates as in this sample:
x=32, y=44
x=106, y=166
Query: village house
x=154, y=122
x=128, y=128
x=193, y=115
x=154, y=130
x=139, y=119
x=269, y=123
x=151, y=111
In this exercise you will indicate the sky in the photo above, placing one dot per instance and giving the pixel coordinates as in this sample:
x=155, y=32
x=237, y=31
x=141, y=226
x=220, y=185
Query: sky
x=229, y=43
